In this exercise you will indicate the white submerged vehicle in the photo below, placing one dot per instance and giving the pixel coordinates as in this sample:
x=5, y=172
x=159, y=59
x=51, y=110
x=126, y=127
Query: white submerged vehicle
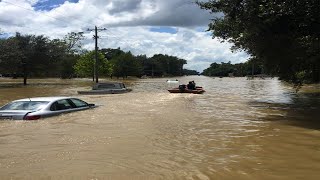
x=107, y=88
x=41, y=107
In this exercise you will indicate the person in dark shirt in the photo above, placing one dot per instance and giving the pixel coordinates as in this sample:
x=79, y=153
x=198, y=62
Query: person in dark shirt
x=194, y=84
x=191, y=85
x=182, y=87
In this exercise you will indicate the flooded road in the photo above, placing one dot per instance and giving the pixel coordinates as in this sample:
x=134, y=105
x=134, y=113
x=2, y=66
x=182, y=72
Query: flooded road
x=238, y=129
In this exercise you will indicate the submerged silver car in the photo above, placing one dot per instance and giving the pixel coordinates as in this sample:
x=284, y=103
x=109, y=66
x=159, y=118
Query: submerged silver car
x=40, y=107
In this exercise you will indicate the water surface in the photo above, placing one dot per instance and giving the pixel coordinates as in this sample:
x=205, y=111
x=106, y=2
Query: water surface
x=238, y=129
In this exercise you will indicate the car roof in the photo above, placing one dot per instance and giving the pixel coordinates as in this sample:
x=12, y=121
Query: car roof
x=109, y=83
x=44, y=98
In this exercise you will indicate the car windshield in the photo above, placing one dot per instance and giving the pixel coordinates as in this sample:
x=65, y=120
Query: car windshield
x=25, y=105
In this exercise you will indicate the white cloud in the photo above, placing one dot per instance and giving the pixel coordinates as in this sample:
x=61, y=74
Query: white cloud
x=199, y=49
x=128, y=23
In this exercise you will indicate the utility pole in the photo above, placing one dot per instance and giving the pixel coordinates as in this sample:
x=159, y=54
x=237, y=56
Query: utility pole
x=96, y=62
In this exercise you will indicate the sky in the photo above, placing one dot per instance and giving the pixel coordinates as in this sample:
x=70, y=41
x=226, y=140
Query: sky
x=172, y=27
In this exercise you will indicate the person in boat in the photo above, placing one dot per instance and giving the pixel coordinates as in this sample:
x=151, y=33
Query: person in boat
x=194, y=84
x=182, y=87
x=191, y=85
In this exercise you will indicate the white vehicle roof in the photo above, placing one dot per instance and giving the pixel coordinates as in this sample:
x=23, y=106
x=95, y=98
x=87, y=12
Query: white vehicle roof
x=43, y=98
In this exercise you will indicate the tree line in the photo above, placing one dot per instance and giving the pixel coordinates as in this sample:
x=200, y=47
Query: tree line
x=283, y=35
x=237, y=70
x=38, y=56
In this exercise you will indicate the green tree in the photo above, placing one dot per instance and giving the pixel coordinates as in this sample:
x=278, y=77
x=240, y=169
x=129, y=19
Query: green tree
x=239, y=70
x=73, y=43
x=160, y=64
x=110, y=53
x=84, y=66
x=10, y=56
x=167, y=65
x=62, y=59
x=190, y=72
x=283, y=35
x=30, y=55
x=126, y=65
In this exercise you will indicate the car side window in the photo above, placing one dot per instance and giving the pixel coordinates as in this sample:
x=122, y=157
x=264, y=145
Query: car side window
x=60, y=105
x=79, y=103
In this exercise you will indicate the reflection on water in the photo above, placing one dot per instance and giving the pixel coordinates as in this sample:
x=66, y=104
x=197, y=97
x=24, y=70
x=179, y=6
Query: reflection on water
x=238, y=129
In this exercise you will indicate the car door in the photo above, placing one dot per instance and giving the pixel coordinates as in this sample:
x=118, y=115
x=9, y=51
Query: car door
x=78, y=104
x=61, y=106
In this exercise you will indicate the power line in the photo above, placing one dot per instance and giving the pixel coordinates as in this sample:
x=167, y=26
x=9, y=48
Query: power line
x=33, y=11
x=126, y=41
x=68, y=22
x=184, y=57
x=163, y=50
x=20, y=26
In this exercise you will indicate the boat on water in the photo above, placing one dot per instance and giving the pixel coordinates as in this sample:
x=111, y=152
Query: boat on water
x=107, y=88
x=184, y=89
x=173, y=81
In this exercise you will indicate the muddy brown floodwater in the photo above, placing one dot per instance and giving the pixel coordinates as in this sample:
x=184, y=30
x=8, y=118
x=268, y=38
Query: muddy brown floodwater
x=238, y=129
